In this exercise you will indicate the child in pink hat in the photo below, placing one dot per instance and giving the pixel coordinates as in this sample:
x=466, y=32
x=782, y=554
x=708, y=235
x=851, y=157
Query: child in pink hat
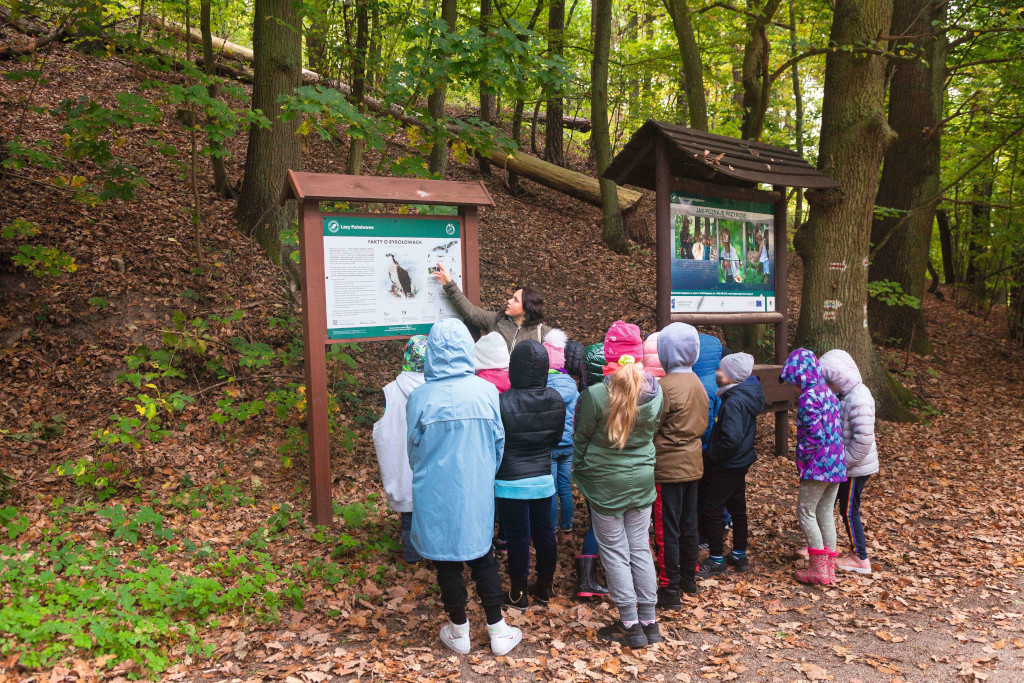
x=622, y=339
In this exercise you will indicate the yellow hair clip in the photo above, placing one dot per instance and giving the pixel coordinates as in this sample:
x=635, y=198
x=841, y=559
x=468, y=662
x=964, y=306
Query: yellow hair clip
x=626, y=360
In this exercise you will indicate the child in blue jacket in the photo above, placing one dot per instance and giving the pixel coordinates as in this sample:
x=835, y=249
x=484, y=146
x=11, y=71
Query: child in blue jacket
x=456, y=441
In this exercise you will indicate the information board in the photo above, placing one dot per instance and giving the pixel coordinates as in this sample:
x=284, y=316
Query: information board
x=723, y=255
x=379, y=273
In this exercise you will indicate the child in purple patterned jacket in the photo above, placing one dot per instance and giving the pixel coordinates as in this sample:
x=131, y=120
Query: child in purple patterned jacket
x=820, y=463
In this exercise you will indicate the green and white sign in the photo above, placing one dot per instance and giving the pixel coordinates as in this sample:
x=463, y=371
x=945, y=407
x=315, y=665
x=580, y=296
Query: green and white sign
x=379, y=273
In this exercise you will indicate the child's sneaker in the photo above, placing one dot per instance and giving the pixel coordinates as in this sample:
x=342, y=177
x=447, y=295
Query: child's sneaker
x=852, y=563
x=739, y=563
x=503, y=637
x=456, y=637
x=709, y=568
x=668, y=598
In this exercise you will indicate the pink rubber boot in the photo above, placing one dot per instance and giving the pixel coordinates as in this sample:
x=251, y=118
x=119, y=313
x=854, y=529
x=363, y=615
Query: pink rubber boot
x=832, y=555
x=817, y=568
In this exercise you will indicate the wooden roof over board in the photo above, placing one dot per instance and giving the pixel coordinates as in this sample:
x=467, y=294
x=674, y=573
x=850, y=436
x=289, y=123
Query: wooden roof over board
x=303, y=186
x=712, y=158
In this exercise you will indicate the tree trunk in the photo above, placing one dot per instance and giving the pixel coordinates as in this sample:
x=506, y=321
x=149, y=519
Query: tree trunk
x=614, y=233
x=435, y=103
x=798, y=113
x=221, y=185
x=357, y=144
x=514, y=188
x=277, y=43
x=910, y=173
x=486, y=95
x=316, y=46
x=978, y=239
x=755, y=75
x=693, y=69
x=553, y=134
x=834, y=242
x=946, y=245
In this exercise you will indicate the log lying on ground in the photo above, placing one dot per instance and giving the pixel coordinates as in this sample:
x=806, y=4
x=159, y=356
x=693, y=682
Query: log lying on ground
x=579, y=123
x=572, y=183
x=578, y=185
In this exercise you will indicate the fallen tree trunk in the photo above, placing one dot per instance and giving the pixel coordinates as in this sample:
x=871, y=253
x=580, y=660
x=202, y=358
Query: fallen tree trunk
x=578, y=123
x=572, y=183
x=38, y=38
x=578, y=185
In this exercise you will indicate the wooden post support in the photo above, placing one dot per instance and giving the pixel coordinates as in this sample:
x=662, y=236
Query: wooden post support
x=781, y=303
x=663, y=235
x=471, y=252
x=314, y=337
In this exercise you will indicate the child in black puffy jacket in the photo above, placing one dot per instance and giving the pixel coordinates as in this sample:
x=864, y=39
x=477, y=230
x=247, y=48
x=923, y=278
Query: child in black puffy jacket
x=533, y=415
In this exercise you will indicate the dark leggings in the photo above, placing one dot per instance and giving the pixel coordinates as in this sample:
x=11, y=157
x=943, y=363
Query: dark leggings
x=849, y=508
x=453, y=587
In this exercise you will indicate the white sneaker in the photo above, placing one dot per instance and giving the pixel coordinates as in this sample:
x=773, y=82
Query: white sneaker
x=456, y=637
x=503, y=637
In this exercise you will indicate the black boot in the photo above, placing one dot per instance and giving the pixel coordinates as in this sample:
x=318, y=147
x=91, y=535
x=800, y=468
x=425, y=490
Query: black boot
x=586, y=578
x=668, y=598
x=541, y=591
x=516, y=596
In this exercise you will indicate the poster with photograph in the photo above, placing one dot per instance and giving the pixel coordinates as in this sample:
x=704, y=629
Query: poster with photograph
x=379, y=273
x=722, y=255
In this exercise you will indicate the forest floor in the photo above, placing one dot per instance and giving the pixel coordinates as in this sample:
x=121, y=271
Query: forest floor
x=201, y=563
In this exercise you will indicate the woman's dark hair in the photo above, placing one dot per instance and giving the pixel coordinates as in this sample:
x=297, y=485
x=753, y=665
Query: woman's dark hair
x=533, y=306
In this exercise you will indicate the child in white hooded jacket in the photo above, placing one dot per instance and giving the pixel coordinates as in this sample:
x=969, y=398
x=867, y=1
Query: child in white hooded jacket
x=858, y=411
x=390, y=440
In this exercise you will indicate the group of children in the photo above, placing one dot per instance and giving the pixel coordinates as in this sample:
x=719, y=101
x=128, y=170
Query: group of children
x=473, y=433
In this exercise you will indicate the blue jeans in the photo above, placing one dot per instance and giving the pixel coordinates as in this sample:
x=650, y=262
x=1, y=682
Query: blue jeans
x=409, y=553
x=561, y=471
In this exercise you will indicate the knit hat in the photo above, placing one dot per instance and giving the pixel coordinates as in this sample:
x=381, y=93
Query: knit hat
x=737, y=366
x=491, y=353
x=415, y=353
x=623, y=339
x=555, y=341
x=652, y=363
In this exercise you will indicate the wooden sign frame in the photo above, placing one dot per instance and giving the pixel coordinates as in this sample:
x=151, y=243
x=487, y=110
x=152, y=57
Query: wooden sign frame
x=309, y=189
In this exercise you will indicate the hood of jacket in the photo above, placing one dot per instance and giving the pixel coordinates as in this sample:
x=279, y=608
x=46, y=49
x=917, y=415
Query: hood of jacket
x=651, y=362
x=802, y=369
x=408, y=380
x=708, y=358
x=528, y=365
x=574, y=361
x=678, y=347
x=839, y=368
x=449, y=351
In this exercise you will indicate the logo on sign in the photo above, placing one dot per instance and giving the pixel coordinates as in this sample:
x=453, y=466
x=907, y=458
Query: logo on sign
x=450, y=229
x=333, y=226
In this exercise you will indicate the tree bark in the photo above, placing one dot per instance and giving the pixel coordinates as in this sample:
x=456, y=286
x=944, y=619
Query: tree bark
x=978, y=239
x=553, y=133
x=277, y=43
x=693, y=69
x=435, y=103
x=910, y=172
x=798, y=113
x=614, y=233
x=221, y=185
x=357, y=144
x=946, y=245
x=756, y=76
x=486, y=96
x=834, y=242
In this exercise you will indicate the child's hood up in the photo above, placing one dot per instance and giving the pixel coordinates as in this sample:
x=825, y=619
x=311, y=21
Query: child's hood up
x=678, y=347
x=839, y=368
x=449, y=350
x=802, y=369
x=528, y=368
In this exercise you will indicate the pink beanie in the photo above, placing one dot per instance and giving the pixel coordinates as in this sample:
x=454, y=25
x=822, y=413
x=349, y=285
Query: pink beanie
x=623, y=339
x=652, y=363
x=554, y=342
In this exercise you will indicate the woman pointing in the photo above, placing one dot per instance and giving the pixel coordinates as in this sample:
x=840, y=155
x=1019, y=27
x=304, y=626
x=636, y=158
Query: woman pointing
x=521, y=319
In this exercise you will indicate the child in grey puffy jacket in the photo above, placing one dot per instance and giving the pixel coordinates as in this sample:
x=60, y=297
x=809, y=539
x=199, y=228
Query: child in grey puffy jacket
x=858, y=411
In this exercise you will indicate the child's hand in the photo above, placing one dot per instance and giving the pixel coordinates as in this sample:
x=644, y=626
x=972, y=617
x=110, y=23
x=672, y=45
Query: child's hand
x=442, y=274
